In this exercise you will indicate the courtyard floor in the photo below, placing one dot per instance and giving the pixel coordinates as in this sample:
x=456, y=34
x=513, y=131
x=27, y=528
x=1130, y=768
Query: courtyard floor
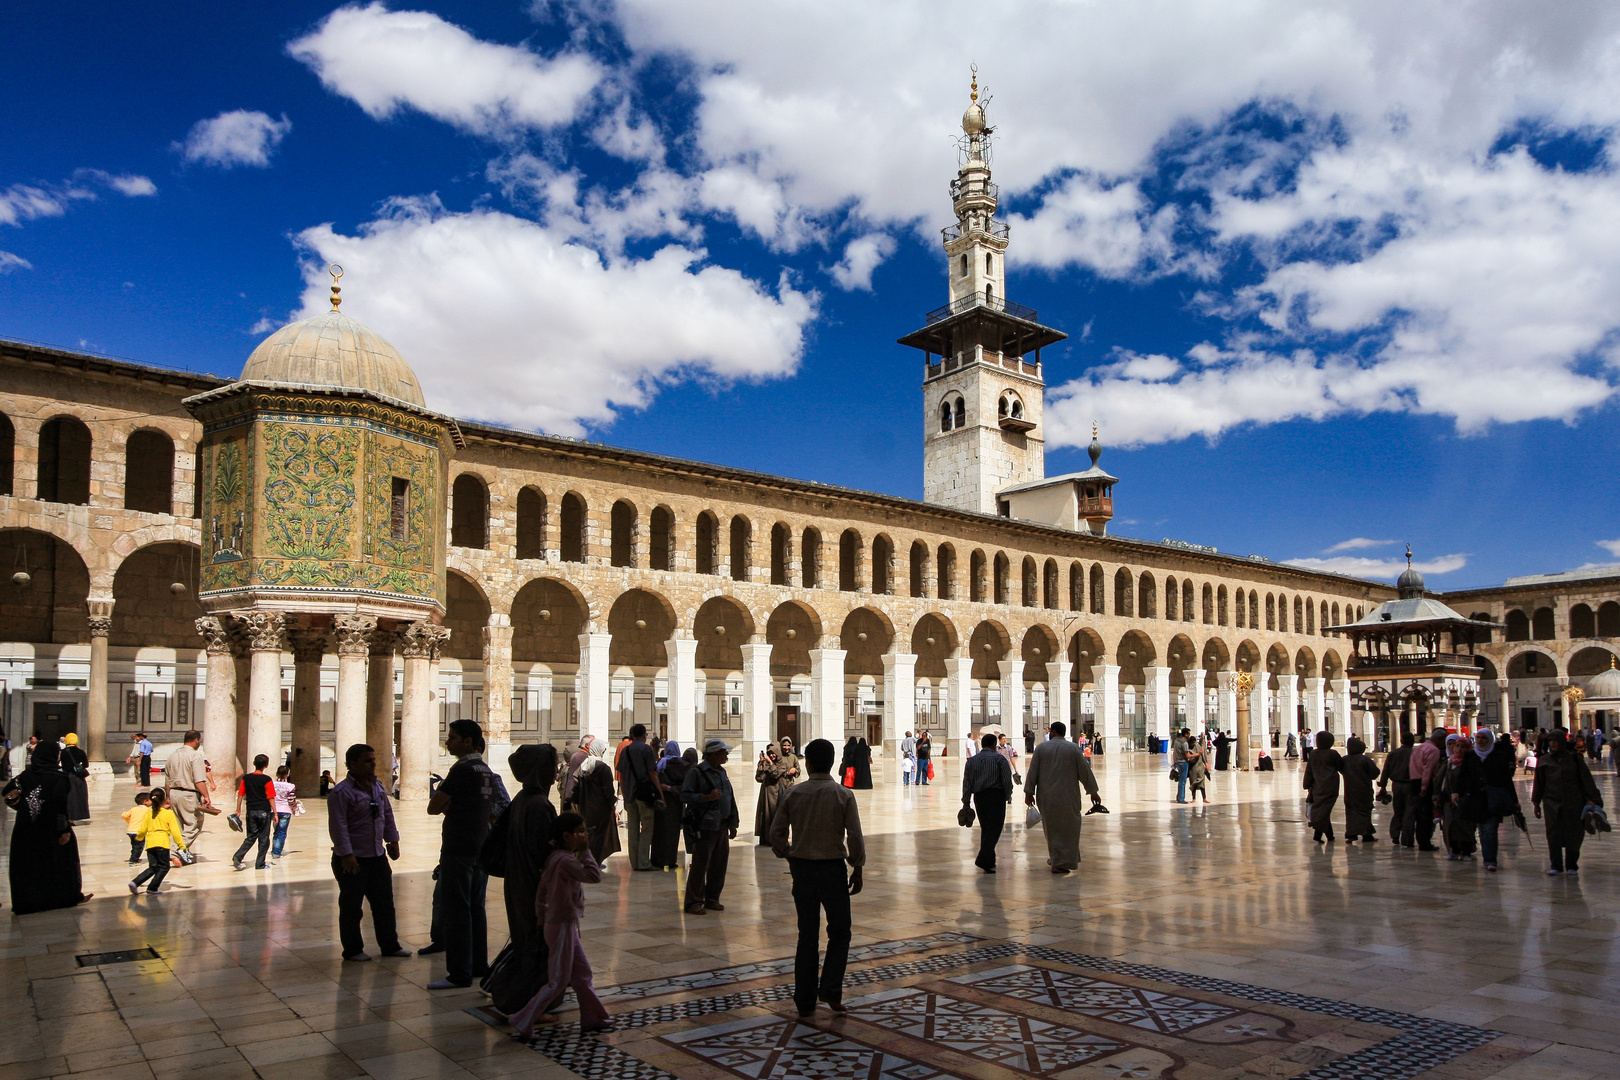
x=1195, y=942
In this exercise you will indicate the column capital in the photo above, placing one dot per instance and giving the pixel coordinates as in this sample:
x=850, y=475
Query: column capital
x=353, y=633
x=892, y=661
x=680, y=648
x=308, y=645
x=266, y=630
x=1193, y=676
x=385, y=641
x=100, y=617
x=216, y=635
x=756, y=651
x=423, y=640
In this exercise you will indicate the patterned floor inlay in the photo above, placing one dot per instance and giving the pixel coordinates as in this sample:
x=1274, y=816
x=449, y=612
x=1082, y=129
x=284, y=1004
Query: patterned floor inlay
x=998, y=1010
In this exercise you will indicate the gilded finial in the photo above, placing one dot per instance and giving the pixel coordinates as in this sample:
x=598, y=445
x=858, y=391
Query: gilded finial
x=1409, y=556
x=337, y=272
x=1094, y=429
x=974, y=96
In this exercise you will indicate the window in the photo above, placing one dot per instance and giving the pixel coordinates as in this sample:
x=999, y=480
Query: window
x=849, y=561
x=531, y=524
x=961, y=412
x=945, y=416
x=64, y=462
x=990, y=294
x=708, y=543
x=810, y=559
x=399, y=507
x=573, y=528
x=741, y=536
x=149, y=473
x=622, y=522
x=946, y=565
x=989, y=263
x=882, y=558
x=469, y=512
x=781, y=553
x=964, y=265
x=919, y=569
x=661, y=545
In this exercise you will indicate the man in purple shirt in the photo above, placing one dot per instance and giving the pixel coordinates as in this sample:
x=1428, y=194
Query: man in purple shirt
x=364, y=839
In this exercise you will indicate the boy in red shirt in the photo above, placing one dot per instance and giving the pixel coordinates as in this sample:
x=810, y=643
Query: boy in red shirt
x=259, y=792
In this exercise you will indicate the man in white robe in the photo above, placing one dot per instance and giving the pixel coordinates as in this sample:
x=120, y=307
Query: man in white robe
x=1056, y=772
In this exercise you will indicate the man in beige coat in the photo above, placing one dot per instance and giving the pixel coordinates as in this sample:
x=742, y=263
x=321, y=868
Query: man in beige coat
x=1057, y=770
x=186, y=775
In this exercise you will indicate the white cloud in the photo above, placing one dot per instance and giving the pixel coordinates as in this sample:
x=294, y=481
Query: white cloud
x=263, y=325
x=29, y=202
x=236, y=137
x=384, y=60
x=1356, y=566
x=1358, y=543
x=1611, y=546
x=862, y=256
x=507, y=319
x=10, y=262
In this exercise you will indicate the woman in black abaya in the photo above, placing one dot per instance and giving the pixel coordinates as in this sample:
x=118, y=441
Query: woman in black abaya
x=44, y=851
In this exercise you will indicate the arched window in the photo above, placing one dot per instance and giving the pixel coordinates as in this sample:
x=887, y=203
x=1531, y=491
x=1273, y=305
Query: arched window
x=1335, y=622
x=1541, y=624
x=64, y=462
x=810, y=559
x=1077, y=587
x=1172, y=596
x=882, y=565
x=8, y=455
x=946, y=565
x=1003, y=576
x=1209, y=605
x=1239, y=610
x=1582, y=621
x=919, y=569
x=1051, y=591
x=1099, y=589
x=1147, y=596
x=622, y=522
x=1030, y=593
x=945, y=415
x=781, y=553
x=1123, y=604
x=469, y=512
x=1298, y=619
x=1254, y=610
x=990, y=295
x=573, y=523
x=1271, y=612
x=1324, y=624
x=531, y=524
x=149, y=472
x=849, y=561
x=1220, y=605
x=989, y=263
x=976, y=576
x=964, y=263
x=961, y=412
x=708, y=543
x=1310, y=618
x=1608, y=619
x=1518, y=626
x=1187, y=613
x=661, y=539
x=742, y=535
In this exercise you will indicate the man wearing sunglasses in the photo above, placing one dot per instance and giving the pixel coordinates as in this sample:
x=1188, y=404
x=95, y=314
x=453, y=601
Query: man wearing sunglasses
x=364, y=840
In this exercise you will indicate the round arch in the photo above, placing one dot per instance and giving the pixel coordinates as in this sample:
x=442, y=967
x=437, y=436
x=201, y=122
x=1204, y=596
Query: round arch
x=1039, y=647
x=640, y=621
x=988, y=646
x=1531, y=662
x=1086, y=650
x=147, y=611
x=1179, y=655
x=1332, y=666
x=722, y=626
x=933, y=641
x=466, y=613
x=51, y=605
x=1591, y=660
x=1305, y=663
x=1216, y=657
x=1134, y=653
x=548, y=616
x=792, y=631
x=1248, y=656
x=865, y=637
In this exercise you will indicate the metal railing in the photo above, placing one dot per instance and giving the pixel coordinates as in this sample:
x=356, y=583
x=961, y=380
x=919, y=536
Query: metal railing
x=959, y=185
x=978, y=299
x=998, y=229
x=1416, y=660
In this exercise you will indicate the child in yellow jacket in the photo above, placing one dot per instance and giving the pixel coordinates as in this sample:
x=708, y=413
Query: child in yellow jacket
x=133, y=817
x=160, y=831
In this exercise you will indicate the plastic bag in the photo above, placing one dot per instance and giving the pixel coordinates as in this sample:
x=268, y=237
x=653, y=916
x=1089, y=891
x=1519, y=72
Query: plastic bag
x=1032, y=818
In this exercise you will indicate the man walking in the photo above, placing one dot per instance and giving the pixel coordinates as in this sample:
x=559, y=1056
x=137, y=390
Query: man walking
x=1179, y=746
x=1565, y=788
x=1057, y=770
x=187, y=776
x=258, y=791
x=712, y=807
x=1424, y=768
x=364, y=839
x=987, y=781
x=466, y=799
x=642, y=797
x=817, y=828
x=140, y=756
x=1397, y=772
x=908, y=749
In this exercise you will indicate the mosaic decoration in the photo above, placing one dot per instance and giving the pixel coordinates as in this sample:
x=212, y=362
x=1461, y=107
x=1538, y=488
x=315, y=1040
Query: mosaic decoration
x=228, y=512
x=405, y=565
x=1115, y=1002
x=309, y=494
x=770, y=1048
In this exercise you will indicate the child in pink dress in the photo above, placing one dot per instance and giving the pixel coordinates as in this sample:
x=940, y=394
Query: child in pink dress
x=559, y=904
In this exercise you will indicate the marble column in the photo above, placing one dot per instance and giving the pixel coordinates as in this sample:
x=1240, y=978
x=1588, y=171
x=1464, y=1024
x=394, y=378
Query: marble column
x=1059, y=695
x=1243, y=684
x=1341, y=704
x=681, y=654
x=1260, y=715
x=1316, y=709
x=498, y=690
x=1012, y=698
x=1287, y=710
x=267, y=640
x=1105, y=696
x=959, y=687
x=827, y=686
x=1504, y=706
x=353, y=637
x=308, y=649
x=592, y=689
x=380, y=700
x=1160, y=716
x=95, y=718
x=244, y=690
x=900, y=702
x=1226, y=698
x=759, y=700
x=219, y=702
x=1194, y=680
x=422, y=644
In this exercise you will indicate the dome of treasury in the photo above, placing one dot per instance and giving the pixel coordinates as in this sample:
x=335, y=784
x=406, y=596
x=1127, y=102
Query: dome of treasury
x=334, y=350
x=1605, y=685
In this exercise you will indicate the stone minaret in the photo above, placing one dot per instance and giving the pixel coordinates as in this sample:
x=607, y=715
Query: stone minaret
x=982, y=396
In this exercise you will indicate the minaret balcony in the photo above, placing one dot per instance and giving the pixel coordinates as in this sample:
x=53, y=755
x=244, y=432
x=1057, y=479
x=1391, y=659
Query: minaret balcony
x=953, y=233
x=1015, y=423
x=966, y=187
x=979, y=299
x=1097, y=506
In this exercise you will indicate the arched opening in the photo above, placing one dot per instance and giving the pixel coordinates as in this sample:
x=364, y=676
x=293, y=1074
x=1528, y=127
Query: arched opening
x=1099, y=590
x=1333, y=667
x=1298, y=623
x=661, y=539
x=988, y=646
x=961, y=412
x=792, y=631
x=1240, y=609
x=1518, y=626
x=547, y=619
x=1172, y=597
x=742, y=542
x=919, y=569
x=531, y=524
x=1588, y=662
x=781, y=553
x=1305, y=664
x=1029, y=592
x=148, y=612
x=1209, y=605
x=810, y=559
x=933, y=640
x=1214, y=659
x=1123, y=589
x=865, y=637
x=708, y=543
x=1085, y=652
x=1077, y=587
x=640, y=622
x=1248, y=657
x=64, y=461
x=1335, y=622
x=947, y=572
x=466, y=613
x=849, y=561
x=1271, y=612
x=622, y=523
x=1220, y=606
x=722, y=627
x=1608, y=619
x=1051, y=590
x=1582, y=621
x=1179, y=656
x=976, y=576
x=8, y=455
x=1188, y=614
x=149, y=472
x=1003, y=584
x=49, y=607
x=1039, y=648
x=945, y=415
x=882, y=565
x=1541, y=625
x=469, y=512
x=1532, y=664
x=1147, y=596
x=572, y=528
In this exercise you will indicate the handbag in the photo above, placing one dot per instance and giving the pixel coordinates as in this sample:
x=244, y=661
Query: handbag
x=1032, y=818
x=849, y=776
x=1175, y=773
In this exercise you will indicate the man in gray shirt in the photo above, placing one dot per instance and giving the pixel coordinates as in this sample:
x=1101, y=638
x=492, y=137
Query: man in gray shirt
x=711, y=807
x=817, y=828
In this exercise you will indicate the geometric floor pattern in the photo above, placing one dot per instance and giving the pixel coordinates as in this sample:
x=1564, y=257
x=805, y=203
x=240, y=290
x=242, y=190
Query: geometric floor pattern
x=967, y=1008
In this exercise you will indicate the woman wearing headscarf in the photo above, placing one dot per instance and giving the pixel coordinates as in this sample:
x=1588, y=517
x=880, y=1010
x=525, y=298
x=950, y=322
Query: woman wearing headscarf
x=1359, y=774
x=76, y=767
x=790, y=761
x=528, y=836
x=771, y=774
x=846, y=761
x=1462, y=796
x=571, y=777
x=1564, y=786
x=44, y=851
x=1498, y=760
x=596, y=799
x=1322, y=784
x=863, y=766
x=667, y=814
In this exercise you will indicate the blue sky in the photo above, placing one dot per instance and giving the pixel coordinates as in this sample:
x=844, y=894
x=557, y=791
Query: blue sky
x=1336, y=277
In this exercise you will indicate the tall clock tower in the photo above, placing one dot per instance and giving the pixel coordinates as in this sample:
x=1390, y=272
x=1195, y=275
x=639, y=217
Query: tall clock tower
x=983, y=392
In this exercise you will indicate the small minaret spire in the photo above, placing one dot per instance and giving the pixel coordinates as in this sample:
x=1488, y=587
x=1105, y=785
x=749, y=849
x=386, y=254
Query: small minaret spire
x=337, y=272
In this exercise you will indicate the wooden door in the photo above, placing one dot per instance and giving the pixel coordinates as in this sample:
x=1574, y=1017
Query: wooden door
x=787, y=723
